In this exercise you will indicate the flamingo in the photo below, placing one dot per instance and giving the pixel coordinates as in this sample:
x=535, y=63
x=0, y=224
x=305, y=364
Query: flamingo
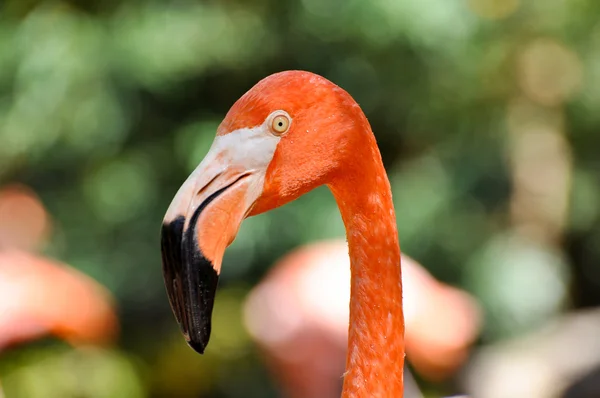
x=298, y=316
x=290, y=133
x=39, y=297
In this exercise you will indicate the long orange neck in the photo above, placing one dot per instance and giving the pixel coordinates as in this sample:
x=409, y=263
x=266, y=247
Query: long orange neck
x=375, y=359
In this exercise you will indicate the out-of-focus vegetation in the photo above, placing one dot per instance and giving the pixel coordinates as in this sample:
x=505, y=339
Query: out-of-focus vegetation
x=486, y=113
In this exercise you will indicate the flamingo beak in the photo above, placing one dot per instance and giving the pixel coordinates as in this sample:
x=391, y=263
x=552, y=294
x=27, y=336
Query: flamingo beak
x=201, y=222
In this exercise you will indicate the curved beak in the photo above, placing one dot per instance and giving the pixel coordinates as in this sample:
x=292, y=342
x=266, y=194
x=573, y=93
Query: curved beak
x=201, y=222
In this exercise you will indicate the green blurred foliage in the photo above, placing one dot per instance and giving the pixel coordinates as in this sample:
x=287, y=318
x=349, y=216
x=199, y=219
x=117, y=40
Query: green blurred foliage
x=107, y=106
x=61, y=372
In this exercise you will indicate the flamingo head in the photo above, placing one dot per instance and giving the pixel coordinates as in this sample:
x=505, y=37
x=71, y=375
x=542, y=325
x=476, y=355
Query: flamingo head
x=290, y=133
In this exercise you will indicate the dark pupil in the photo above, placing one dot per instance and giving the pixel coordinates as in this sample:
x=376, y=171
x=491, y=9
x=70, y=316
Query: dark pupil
x=280, y=124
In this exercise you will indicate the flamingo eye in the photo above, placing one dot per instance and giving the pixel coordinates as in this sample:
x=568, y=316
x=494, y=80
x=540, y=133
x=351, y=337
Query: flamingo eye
x=280, y=124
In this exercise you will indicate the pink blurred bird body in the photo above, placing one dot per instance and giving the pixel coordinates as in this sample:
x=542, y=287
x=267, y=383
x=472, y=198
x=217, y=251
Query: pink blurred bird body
x=299, y=315
x=39, y=296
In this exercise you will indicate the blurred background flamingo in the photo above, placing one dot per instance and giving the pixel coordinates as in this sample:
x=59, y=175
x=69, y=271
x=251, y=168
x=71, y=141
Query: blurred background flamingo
x=39, y=297
x=298, y=315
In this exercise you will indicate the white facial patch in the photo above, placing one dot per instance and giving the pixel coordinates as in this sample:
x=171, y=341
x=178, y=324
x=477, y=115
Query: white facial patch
x=250, y=149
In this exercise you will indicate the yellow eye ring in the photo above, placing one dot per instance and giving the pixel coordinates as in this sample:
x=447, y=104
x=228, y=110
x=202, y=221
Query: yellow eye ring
x=280, y=124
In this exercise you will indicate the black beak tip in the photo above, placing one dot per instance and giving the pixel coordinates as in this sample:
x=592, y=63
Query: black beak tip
x=190, y=278
x=191, y=281
x=197, y=345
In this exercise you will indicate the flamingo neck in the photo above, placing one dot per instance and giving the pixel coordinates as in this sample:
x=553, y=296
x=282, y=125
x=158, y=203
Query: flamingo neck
x=375, y=358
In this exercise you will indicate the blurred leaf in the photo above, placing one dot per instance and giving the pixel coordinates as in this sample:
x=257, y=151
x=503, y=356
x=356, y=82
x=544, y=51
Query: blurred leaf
x=70, y=373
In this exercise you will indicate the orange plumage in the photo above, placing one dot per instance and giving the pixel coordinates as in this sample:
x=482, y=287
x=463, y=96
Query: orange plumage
x=330, y=142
